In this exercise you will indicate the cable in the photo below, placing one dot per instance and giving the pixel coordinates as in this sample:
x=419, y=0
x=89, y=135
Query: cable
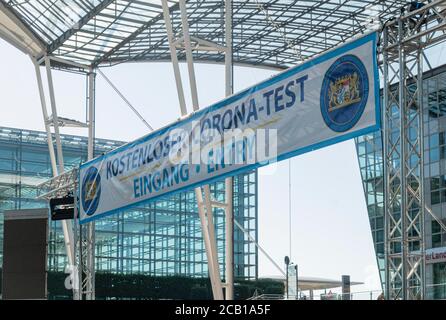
x=251, y=238
x=125, y=100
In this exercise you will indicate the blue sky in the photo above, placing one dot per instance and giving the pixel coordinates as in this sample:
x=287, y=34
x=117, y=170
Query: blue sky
x=330, y=230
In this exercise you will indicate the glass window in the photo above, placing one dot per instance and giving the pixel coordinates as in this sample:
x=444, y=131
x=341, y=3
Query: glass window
x=438, y=235
x=160, y=238
x=438, y=189
x=434, y=155
x=439, y=279
x=435, y=197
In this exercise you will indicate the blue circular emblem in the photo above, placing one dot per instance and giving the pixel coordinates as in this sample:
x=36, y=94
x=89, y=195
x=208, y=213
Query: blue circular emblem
x=344, y=94
x=91, y=191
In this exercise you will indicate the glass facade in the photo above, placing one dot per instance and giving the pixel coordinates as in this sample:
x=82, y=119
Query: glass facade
x=370, y=156
x=160, y=238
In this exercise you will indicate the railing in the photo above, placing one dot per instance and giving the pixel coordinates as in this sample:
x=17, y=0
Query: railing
x=433, y=292
x=364, y=295
x=268, y=297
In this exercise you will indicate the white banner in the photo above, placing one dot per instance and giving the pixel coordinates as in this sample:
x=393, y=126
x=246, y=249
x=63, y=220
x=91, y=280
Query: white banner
x=328, y=99
x=436, y=255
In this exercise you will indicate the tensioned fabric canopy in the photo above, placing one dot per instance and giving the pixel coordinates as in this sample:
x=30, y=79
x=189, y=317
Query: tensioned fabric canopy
x=274, y=34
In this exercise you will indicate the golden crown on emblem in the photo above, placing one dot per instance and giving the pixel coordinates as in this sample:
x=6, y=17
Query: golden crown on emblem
x=91, y=188
x=344, y=92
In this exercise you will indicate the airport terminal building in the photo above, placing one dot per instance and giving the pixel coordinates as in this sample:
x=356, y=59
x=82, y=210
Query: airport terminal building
x=370, y=153
x=161, y=238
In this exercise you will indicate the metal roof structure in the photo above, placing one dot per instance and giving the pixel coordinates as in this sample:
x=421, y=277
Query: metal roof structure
x=270, y=34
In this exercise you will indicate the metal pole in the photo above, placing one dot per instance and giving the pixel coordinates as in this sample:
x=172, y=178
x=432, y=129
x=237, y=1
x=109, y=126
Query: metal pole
x=215, y=273
x=422, y=195
x=174, y=58
x=213, y=245
x=402, y=103
x=287, y=284
x=55, y=118
x=66, y=224
x=217, y=292
x=189, y=57
x=49, y=136
x=76, y=276
x=297, y=281
x=91, y=113
x=385, y=137
x=229, y=67
x=287, y=263
x=212, y=264
x=91, y=226
x=229, y=269
x=229, y=183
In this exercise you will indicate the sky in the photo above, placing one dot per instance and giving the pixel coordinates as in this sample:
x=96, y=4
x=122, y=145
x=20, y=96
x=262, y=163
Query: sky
x=330, y=233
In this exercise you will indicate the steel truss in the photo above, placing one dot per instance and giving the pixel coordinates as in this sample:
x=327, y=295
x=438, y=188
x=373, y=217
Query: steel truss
x=274, y=34
x=404, y=40
x=86, y=235
x=205, y=202
x=79, y=241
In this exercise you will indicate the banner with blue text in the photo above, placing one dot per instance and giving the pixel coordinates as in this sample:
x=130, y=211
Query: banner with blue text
x=328, y=99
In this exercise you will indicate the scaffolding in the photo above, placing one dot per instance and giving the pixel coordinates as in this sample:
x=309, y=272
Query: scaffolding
x=86, y=35
x=404, y=40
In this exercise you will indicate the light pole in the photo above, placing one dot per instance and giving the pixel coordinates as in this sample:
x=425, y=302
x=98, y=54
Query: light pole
x=287, y=263
x=297, y=282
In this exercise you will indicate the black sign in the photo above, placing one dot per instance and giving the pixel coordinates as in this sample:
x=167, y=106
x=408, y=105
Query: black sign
x=62, y=208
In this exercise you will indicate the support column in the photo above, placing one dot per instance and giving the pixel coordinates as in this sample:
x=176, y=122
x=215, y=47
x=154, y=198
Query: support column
x=49, y=136
x=90, y=236
x=404, y=208
x=403, y=181
x=204, y=205
x=56, y=165
x=216, y=284
x=386, y=164
x=174, y=58
x=189, y=57
x=420, y=55
x=229, y=183
x=86, y=238
x=55, y=118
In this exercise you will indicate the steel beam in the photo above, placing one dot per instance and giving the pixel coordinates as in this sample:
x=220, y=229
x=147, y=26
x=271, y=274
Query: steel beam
x=79, y=24
x=136, y=33
x=11, y=14
x=404, y=40
x=229, y=183
x=57, y=166
x=174, y=58
x=45, y=117
x=67, y=226
x=189, y=57
x=205, y=207
x=90, y=227
x=86, y=233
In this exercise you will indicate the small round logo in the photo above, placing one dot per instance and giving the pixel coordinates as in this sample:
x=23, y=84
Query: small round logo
x=344, y=94
x=91, y=191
